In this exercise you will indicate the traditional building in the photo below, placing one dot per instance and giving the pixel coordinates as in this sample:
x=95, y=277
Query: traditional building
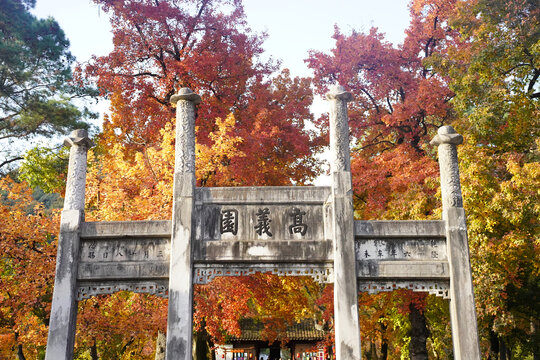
x=304, y=343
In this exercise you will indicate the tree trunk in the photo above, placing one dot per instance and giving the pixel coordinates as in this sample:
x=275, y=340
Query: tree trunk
x=93, y=351
x=384, y=344
x=493, y=346
x=161, y=343
x=201, y=348
x=418, y=333
x=502, y=349
x=20, y=353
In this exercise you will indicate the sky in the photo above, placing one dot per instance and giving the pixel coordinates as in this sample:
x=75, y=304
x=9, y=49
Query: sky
x=293, y=28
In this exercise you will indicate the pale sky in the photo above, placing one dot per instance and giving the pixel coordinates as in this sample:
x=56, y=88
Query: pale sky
x=293, y=26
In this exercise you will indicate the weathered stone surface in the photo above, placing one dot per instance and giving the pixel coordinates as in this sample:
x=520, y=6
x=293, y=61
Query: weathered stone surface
x=179, y=322
x=447, y=139
x=435, y=287
x=427, y=249
x=61, y=337
x=158, y=287
x=347, y=329
x=410, y=269
x=117, y=250
x=399, y=228
x=462, y=307
x=76, y=178
x=286, y=206
x=340, y=158
x=264, y=251
x=113, y=229
x=321, y=272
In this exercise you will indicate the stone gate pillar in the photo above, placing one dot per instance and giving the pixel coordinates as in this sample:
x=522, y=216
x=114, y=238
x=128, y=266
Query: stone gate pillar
x=180, y=314
x=61, y=338
x=347, y=328
x=462, y=308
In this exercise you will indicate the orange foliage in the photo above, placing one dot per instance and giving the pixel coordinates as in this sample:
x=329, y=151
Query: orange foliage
x=27, y=263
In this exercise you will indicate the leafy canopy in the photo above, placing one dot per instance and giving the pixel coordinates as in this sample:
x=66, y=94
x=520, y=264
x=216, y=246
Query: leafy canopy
x=35, y=80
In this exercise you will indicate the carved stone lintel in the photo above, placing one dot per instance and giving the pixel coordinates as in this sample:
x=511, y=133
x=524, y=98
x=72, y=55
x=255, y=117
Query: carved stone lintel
x=433, y=287
x=158, y=288
x=339, y=129
x=320, y=273
x=447, y=139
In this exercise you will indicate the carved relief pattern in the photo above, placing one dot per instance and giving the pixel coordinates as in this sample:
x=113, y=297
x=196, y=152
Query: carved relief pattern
x=339, y=136
x=322, y=274
x=451, y=188
x=204, y=276
x=185, y=137
x=76, y=178
x=433, y=287
x=158, y=288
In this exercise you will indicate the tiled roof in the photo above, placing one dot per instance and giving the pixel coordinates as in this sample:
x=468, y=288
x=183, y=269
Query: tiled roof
x=305, y=330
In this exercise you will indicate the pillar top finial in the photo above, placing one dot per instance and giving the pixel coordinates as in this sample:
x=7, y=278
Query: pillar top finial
x=186, y=94
x=447, y=135
x=338, y=92
x=79, y=137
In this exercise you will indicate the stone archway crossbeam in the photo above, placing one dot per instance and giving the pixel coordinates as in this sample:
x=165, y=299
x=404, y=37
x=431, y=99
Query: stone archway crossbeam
x=289, y=231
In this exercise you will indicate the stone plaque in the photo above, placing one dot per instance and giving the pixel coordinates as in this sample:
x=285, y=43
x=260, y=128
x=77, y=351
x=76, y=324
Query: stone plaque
x=402, y=258
x=124, y=258
x=263, y=222
x=401, y=249
x=261, y=214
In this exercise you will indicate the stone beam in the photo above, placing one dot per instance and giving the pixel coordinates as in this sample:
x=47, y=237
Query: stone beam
x=398, y=228
x=121, y=229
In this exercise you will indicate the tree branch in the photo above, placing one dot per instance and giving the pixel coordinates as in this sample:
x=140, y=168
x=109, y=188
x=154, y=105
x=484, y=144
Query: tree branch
x=11, y=160
x=372, y=100
x=532, y=82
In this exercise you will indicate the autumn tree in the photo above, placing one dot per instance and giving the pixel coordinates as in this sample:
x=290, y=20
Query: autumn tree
x=473, y=64
x=494, y=70
x=161, y=46
x=28, y=249
x=397, y=102
x=251, y=116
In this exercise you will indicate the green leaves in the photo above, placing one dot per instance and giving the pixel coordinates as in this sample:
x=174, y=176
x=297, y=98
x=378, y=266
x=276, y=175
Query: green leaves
x=36, y=88
x=45, y=168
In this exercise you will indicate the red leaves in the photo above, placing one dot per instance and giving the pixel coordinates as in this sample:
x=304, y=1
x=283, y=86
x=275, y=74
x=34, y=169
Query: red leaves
x=274, y=301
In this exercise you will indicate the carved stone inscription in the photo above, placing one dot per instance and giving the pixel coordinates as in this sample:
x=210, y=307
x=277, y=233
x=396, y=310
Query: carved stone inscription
x=124, y=258
x=261, y=222
x=401, y=249
x=391, y=258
